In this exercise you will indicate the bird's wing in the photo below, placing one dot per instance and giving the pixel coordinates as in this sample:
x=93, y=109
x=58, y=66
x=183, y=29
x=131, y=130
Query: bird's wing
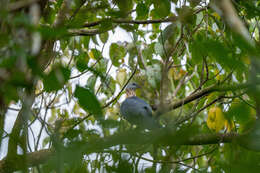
x=137, y=111
x=135, y=107
x=145, y=107
x=129, y=109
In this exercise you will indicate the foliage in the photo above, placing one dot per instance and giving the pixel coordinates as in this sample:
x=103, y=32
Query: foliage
x=64, y=65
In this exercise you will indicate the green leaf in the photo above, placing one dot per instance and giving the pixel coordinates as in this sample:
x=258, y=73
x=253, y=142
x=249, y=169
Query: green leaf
x=202, y=46
x=252, y=139
x=147, y=53
x=88, y=101
x=115, y=13
x=169, y=34
x=240, y=112
x=56, y=79
x=250, y=9
x=142, y=11
x=220, y=52
x=194, y=3
x=199, y=18
x=85, y=41
x=162, y=8
x=128, y=27
x=50, y=32
x=94, y=39
x=158, y=48
x=117, y=53
x=186, y=16
x=82, y=61
x=168, y=38
x=153, y=73
x=45, y=141
x=18, y=79
x=108, y=86
x=124, y=5
x=104, y=37
x=7, y=62
x=102, y=65
x=109, y=123
x=196, y=46
x=10, y=93
x=97, y=54
x=106, y=25
x=91, y=82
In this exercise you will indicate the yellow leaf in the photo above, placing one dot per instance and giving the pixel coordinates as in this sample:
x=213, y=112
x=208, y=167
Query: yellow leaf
x=182, y=72
x=176, y=74
x=91, y=55
x=138, y=92
x=216, y=119
x=112, y=112
x=171, y=73
x=252, y=113
x=121, y=76
x=82, y=114
x=229, y=125
x=217, y=30
x=216, y=15
x=211, y=30
x=218, y=75
x=39, y=87
x=92, y=119
x=246, y=60
x=76, y=109
x=211, y=97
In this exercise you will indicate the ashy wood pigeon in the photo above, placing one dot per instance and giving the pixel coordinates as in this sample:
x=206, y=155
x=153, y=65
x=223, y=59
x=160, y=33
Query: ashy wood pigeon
x=137, y=111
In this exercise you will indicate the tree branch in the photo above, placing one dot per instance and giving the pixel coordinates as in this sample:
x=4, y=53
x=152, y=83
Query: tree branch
x=127, y=21
x=206, y=91
x=33, y=159
x=84, y=32
x=163, y=136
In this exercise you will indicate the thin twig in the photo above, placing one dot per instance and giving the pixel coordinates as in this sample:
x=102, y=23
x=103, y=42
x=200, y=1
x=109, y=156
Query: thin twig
x=182, y=82
x=84, y=72
x=198, y=111
x=77, y=10
x=127, y=21
x=115, y=98
x=124, y=21
x=247, y=102
x=14, y=109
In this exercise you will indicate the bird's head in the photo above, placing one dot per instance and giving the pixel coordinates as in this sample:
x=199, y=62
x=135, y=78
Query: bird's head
x=131, y=88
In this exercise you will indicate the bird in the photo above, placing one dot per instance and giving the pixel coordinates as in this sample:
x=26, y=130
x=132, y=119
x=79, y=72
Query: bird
x=137, y=111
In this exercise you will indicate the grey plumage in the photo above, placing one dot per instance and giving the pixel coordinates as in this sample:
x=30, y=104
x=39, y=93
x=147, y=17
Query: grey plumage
x=137, y=111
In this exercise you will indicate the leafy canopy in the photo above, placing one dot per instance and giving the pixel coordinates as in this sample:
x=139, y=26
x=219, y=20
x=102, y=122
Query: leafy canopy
x=64, y=65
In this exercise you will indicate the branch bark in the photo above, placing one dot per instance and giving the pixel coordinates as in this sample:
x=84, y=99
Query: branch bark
x=205, y=91
x=127, y=21
x=33, y=159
